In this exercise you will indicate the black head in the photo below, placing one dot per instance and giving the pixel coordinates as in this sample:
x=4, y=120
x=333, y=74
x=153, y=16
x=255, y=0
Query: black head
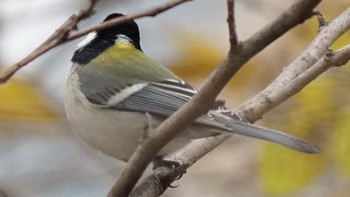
x=106, y=38
x=129, y=29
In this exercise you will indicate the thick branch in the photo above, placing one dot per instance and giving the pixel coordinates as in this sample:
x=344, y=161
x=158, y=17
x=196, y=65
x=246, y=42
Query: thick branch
x=64, y=34
x=195, y=150
x=200, y=103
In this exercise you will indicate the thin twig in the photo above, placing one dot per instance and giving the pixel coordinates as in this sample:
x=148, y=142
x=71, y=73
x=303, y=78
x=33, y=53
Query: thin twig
x=70, y=24
x=64, y=33
x=148, y=12
x=269, y=97
x=322, y=22
x=296, y=14
x=200, y=103
x=231, y=23
x=57, y=38
x=341, y=56
x=331, y=59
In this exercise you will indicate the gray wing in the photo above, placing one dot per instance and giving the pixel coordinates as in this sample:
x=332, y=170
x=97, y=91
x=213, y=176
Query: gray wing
x=166, y=97
x=98, y=86
x=158, y=98
x=162, y=98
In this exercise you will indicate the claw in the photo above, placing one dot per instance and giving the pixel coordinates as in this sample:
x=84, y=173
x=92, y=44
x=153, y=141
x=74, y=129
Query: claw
x=177, y=169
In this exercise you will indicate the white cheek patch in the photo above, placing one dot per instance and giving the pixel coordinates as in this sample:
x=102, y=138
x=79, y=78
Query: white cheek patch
x=87, y=40
x=125, y=93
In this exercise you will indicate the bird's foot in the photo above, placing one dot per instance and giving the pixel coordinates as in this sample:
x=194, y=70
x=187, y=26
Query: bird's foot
x=177, y=168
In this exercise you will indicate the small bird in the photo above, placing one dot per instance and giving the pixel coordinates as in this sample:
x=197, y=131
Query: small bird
x=112, y=85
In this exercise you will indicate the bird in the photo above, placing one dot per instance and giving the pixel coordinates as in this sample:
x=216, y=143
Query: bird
x=112, y=86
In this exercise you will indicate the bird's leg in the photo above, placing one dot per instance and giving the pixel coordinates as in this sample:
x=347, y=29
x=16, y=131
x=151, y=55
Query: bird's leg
x=175, y=166
x=161, y=171
x=148, y=127
x=158, y=162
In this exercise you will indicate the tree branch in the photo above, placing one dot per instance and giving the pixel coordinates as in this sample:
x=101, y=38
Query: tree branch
x=272, y=95
x=231, y=23
x=200, y=103
x=64, y=33
x=341, y=56
x=197, y=149
x=57, y=38
x=330, y=59
x=148, y=12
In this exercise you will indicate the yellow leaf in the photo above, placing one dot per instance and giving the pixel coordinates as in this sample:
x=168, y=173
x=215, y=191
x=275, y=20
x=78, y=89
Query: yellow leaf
x=312, y=111
x=21, y=101
x=284, y=171
x=341, y=141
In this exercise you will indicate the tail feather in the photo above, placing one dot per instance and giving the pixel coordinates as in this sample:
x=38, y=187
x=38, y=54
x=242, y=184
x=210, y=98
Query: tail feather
x=246, y=129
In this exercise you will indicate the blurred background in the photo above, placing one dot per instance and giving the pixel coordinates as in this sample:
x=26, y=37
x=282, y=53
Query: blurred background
x=41, y=156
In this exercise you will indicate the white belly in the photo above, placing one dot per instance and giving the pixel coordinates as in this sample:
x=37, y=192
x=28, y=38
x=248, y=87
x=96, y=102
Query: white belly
x=115, y=133
x=107, y=131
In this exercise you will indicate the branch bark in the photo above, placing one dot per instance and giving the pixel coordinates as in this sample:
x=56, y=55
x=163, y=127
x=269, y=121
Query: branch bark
x=199, y=104
x=64, y=33
x=294, y=78
x=231, y=23
x=271, y=95
x=57, y=38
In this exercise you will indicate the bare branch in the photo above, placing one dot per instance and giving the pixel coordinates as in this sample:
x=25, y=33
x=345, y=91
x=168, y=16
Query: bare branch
x=231, y=23
x=200, y=103
x=321, y=20
x=272, y=95
x=341, y=56
x=149, y=12
x=58, y=37
x=195, y=150
x=155, y=184
x=296, y=14
x=64, y=34
x=329, y=60
x=291, y=17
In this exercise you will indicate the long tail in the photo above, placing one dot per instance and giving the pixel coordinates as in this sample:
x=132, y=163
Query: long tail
x=278, y=137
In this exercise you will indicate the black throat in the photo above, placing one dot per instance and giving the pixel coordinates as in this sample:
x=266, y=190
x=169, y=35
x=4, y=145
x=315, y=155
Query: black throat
x=106, y=38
